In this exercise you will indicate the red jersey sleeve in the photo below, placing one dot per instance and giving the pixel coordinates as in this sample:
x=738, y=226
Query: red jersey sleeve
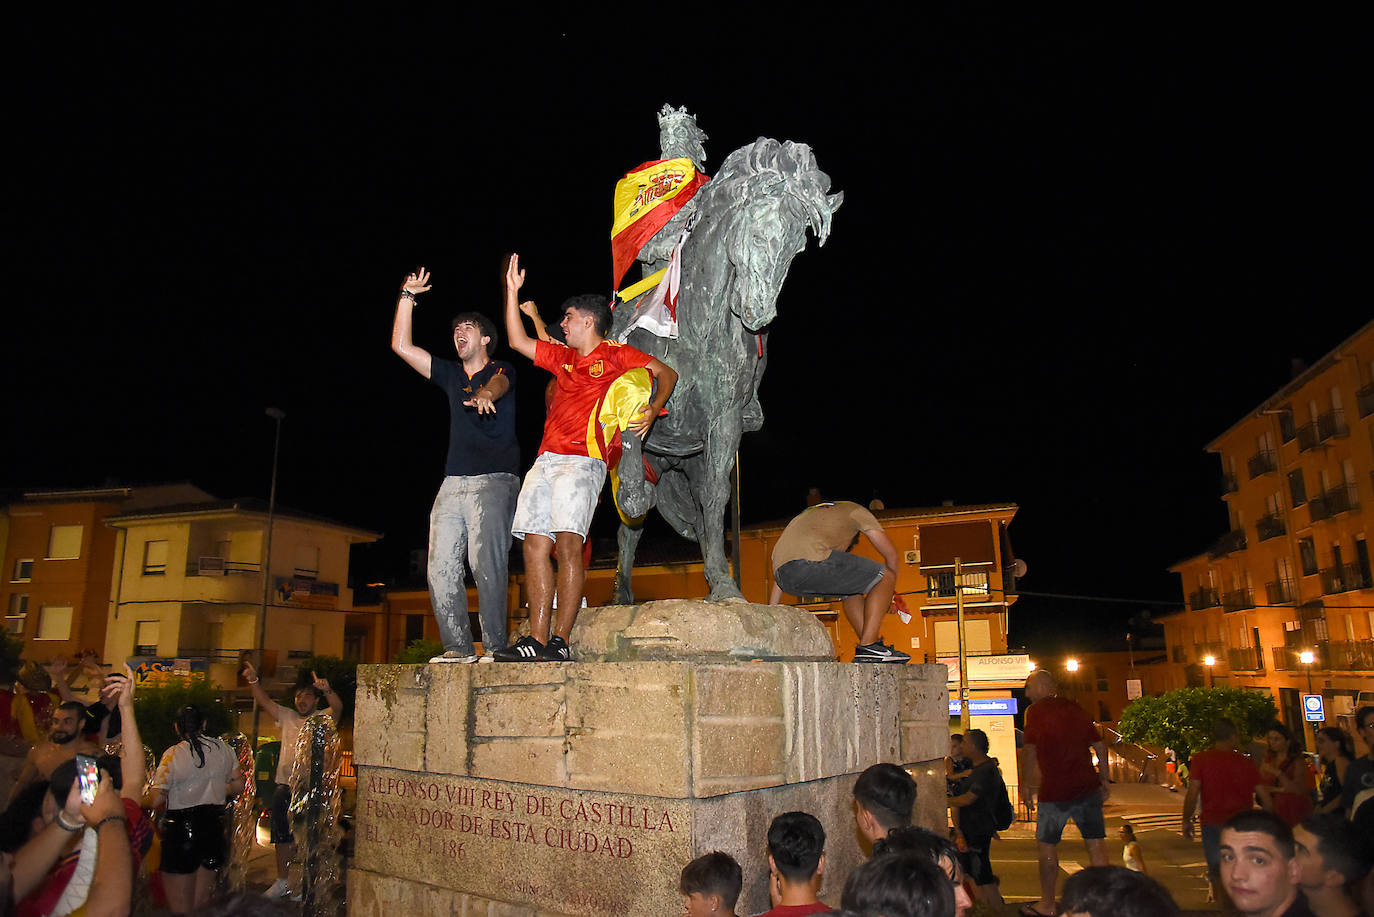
x=550, y=356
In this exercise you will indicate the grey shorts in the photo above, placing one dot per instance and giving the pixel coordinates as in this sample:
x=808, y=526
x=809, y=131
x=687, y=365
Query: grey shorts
x=559, y=495
x=841, y=573
x=1086, y=812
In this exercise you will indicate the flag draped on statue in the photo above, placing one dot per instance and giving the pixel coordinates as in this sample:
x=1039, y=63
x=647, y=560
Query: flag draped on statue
x=645, y=200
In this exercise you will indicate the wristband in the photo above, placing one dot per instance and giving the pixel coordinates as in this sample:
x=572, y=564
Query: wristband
x=66, y=825
x=406, y=294
x=254, y=681
x=109, y=818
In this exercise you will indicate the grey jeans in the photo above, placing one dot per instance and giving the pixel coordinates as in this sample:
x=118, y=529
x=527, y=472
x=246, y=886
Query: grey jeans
x=471, y=517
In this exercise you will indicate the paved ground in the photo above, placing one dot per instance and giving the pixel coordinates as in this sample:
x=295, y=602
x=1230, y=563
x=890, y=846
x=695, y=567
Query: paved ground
x=1156, y=815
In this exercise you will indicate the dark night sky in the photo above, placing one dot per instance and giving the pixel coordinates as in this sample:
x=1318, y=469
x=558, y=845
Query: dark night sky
x=1071, y=252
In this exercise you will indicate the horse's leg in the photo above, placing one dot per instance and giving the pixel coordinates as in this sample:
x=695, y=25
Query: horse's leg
x=628, y=540
x=714, y=493
x=634, y=495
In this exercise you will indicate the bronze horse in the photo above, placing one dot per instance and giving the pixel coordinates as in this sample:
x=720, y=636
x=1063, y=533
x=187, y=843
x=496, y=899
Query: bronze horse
x=752, y=219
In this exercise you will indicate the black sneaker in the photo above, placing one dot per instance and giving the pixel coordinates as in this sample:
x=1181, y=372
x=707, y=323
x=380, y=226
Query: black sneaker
x=556, y=650
x=879, y=651
x=526, y=649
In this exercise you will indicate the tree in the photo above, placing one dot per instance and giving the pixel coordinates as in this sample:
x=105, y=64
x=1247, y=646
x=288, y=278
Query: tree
x=156, y=706
x=419, y=652
x=1182, y=719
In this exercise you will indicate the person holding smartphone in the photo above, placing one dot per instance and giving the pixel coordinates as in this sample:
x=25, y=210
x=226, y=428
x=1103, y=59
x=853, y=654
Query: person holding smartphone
x=197, y=776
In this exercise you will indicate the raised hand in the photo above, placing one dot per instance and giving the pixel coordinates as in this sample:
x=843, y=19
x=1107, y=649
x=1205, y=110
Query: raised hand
x=417, y=282
x=515, y=277
x=120, y=687
x=529, y=308
x=321, y=684
x=482, y=402
x=250, y=674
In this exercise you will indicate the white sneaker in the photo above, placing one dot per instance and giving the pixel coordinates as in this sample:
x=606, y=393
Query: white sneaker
x=278, y=889
x=452, y=656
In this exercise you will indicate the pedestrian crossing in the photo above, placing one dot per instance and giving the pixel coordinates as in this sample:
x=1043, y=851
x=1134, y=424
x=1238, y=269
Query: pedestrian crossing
x=1154, y=821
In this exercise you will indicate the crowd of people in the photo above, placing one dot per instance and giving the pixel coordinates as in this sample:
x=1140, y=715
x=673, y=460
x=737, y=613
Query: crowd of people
x=88, y=830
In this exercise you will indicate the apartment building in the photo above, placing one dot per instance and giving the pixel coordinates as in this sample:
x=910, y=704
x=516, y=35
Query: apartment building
x=1285, y=597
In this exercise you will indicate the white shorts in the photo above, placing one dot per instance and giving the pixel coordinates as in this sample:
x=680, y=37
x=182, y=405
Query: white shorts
x=559, y=495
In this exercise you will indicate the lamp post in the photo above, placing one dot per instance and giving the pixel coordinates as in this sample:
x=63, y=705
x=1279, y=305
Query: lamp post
x=278, y=415
x=1307, y=657
x=1210, y=661
x=1071, y=665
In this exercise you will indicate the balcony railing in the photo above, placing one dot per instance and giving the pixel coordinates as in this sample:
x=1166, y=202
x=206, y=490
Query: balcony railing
x=1345, y=578
x=1351, y=656
x=1289, y=658
x=1262, y=463
x=1307, y=437
x=1287, y=428
x=1280, y=592
x=1365, y=399
x=941, y=585
x=1229, y=543
x=1245, y=659
x=1238, y=600
x=1204, y=598
x=1202, y=650
x=208, y=566
x=1331, y=425
x=1270, y=526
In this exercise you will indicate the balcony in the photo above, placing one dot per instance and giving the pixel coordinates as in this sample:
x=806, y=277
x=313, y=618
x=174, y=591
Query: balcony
x=1287, y=429
x=1365, y=399
x=1229, y=543
x=1345, y=578
x=1229, y=484
x=1204, y=598
x=1262, y=463
x=1202, y=650
x=1342, y=498
x=941, y=585
x=1245, y=659
x=1332, y=425
x=1270, y=526
x=1289, y=658
x=1280, y=592
x=1307, y=437
x=1238, y=600
x=1351, y=656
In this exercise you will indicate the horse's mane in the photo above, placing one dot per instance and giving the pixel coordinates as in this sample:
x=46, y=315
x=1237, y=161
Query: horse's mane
x=766, y=168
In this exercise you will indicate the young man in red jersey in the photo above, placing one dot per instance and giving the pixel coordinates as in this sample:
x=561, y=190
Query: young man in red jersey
x=556, y=502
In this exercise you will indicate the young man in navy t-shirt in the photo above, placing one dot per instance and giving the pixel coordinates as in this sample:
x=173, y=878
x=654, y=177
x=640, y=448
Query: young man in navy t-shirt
x=472, y=512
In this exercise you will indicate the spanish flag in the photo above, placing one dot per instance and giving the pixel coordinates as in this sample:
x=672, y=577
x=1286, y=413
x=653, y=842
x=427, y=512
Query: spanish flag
x=645, y=200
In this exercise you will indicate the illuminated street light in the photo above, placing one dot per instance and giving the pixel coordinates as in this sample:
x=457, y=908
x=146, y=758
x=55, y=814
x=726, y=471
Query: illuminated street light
x=1071, y=665
x=1030, y=665
x=1209, y=660
x=1307, y=657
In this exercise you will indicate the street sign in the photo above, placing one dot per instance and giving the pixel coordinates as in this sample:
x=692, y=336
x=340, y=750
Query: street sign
x=1312, y=708
x=985, y=706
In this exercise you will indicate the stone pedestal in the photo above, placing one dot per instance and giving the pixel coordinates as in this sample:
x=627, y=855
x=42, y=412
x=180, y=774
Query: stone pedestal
x=584, y=787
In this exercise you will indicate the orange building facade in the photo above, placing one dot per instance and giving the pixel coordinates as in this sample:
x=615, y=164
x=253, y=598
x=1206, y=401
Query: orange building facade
x=1292, y=575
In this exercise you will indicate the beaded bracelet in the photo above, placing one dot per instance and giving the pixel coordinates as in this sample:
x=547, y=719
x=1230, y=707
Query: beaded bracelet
x=109, y=818
x=406, y=294
x=66, y=825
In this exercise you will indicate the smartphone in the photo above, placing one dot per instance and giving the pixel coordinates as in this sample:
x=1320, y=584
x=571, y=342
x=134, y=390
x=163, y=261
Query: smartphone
x=88, y=772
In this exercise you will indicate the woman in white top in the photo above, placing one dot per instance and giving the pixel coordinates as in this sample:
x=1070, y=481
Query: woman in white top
x=1132, y=856
x=195, y=778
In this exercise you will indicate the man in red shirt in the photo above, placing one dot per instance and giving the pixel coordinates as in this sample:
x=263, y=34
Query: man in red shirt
x=556, y=502
x=1230, y=778
x=1059, y=738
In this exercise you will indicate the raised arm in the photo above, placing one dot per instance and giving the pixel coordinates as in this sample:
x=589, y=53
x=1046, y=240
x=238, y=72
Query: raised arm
x=111, y=891
x=133, y=768
x=541, y=330
x=418, y=358
x=519, y=339
x=666, y=377
x=335, y=701
x=485, y=398
x=263, y=699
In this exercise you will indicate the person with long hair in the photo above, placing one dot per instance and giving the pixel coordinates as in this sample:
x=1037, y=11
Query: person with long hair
x=1132, y=856
x=1288, y=792
x=1336, y=750
x=197, y=776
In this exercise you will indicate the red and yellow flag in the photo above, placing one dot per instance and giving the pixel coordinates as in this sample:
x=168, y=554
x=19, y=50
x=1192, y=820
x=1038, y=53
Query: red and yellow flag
x=645, y=200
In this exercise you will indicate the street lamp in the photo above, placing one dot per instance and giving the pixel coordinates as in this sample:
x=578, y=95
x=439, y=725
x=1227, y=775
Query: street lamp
x=1307, y=657
x=1209, y=660
x=1071, y=665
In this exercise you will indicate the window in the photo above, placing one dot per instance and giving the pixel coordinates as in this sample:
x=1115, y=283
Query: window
x=17, y=614
x=146, y=637
x=54, y=622
x=1307, y=553
x=1296, y=488
x=23, y=570
x=64, y=542
x=154, y=558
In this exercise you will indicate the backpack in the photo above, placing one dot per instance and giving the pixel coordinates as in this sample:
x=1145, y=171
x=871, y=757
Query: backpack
x=1002, y=812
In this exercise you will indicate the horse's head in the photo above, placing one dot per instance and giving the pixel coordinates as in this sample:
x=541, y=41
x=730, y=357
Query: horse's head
x=777, y=192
